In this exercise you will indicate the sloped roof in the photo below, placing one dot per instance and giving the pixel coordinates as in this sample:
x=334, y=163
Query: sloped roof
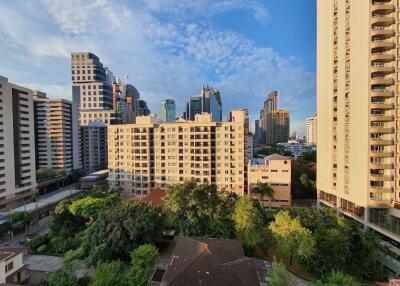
x=278, y=157
x=155, y=197
x=209, y=262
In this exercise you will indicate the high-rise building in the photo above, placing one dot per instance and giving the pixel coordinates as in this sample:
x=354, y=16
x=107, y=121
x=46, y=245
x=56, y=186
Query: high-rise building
x=142, y=109
x=132, y=98
x=208, y=101
x=150, y=154
x=168, y=111
x=54, y=133
x=17, y=146
x=277, y=129
x=122, y=103
x=357, y=106
x=93, y=100
x=94, y=147
x=311, y=130
x=273, y=123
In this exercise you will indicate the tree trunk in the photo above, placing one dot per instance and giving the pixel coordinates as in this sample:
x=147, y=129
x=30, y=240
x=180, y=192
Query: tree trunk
x=291, y=258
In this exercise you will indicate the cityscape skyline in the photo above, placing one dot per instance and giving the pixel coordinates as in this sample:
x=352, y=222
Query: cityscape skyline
x=226, y=67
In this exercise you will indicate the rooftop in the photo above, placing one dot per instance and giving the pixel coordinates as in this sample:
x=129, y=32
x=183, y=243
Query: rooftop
x=208, y=261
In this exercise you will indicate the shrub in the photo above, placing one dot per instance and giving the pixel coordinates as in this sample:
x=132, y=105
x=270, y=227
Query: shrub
x=42, y=249
x=38, y=241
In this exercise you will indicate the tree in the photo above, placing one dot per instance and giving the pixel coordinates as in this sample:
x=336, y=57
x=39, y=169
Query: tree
x=337, y=278
x=90, y=207
x=248, y=220
x=144, y=259
x=123, y=228
x=199, y=210
x=64, y=276
x=109, y=273
x=263, y=190
x=304, y=177
x=278, y=274
x=310, y=156
x=292, y=238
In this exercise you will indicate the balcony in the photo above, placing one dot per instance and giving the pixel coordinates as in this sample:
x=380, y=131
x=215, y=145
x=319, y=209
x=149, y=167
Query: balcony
x=381, y=117
x=381, y=80
x=379, y=203
x=381, y=105
x=381, y=166
x=382, y=69
x=381, y=142
x=382, y=7
x=382, y=20
x=381, y=219
x=382, y=92
x=380, y=178
x=381, y=154
x=382, y=33
x=383, y=57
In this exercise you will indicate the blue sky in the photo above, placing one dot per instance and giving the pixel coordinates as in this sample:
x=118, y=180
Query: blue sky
x=245, y=48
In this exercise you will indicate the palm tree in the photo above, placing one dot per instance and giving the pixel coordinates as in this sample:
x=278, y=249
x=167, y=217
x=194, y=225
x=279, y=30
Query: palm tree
x=263, y=190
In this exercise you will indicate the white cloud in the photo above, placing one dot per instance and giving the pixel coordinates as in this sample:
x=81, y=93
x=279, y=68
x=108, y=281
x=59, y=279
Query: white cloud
x=163, y=58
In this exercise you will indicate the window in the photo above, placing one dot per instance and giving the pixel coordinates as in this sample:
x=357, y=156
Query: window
x=9, y=266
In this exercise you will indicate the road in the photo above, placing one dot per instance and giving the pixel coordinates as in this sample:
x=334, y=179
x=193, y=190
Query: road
x=40, y=228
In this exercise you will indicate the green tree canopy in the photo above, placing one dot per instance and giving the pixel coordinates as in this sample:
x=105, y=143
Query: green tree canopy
x=109, y=273
x=292, y=238
x=337, y=278
x=248, y=220
x=90, y=207
x=144, y=259
x=199, y=210
x=123, y=228
x=64, y=276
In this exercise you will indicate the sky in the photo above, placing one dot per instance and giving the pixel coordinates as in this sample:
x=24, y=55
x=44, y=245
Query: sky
x=169, y=49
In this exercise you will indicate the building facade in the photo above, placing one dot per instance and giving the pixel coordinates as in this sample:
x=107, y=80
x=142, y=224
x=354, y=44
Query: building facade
x=276, y=172
x=54, y=133
x=17, y=145
x=150, y=154
x=311, y=130
x=208, y=101
x=274, y=124
x=296, y=148
x=168, y=111
x=357, y=107
x=94, y=147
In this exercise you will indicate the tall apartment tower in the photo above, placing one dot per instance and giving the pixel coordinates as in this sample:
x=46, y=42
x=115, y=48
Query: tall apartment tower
x=150, y=154
x=273, y=123
x=92, y=97
x=167, y=110
x=311, y=130
x=17, y=146
x=208, y=101
x=54, y=133
x=358, y=113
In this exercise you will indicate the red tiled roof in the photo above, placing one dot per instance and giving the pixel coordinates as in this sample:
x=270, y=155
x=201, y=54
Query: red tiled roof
x=156, y=197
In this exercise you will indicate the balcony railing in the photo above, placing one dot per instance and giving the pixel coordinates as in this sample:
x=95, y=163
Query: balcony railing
x=382, y=219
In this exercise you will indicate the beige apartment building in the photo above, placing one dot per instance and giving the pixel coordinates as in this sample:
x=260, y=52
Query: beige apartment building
x=53, y=133
x=275, y=171
x=150, y=154
x=358, y=114
x=17, y=145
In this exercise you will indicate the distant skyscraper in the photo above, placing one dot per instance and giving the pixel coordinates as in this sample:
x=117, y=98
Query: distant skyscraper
x=142, y=109
x=92, y=99
x=208, y=101
x=311, y=130
x=54, y=134
x=273, y=123
x=168, y=111
x=17, y=146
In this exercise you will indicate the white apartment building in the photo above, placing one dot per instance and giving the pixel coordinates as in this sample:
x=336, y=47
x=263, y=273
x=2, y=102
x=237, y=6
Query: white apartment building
x=17, y=145
x=54, y=133
x=311, y=130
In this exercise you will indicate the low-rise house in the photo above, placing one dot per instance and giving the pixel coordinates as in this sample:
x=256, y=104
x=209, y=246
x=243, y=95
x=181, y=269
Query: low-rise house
x=207, y=262
x=273, y=172
x=12, y=268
